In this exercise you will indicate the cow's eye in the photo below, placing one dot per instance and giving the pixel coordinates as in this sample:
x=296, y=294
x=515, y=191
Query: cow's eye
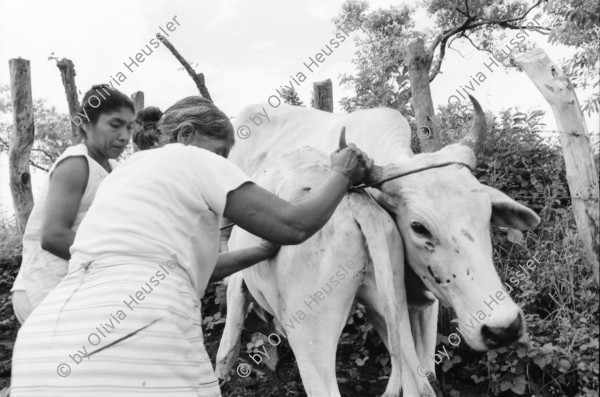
x=420, y=230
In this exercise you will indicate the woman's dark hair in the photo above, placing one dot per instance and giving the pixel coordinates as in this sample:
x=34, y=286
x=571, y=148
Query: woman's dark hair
x=198, y=114
x=101, y=99
x=146, y=134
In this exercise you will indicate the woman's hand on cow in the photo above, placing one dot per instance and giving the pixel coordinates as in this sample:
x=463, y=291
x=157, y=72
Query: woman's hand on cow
x=352, y=162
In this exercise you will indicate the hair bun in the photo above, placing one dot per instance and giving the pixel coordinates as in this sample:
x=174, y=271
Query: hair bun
x=147, y=135
x=150, y=114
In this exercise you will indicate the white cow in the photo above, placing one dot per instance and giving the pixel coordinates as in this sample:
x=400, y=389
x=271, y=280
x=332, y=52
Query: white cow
x=442, y=213
x=310, y=288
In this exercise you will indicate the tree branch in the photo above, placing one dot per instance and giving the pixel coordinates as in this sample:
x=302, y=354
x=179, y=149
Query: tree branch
x=437, y=64
x=513, y=19
x=470, y=23
x=197, y=77
x=37, y=166
x=45, y=152
x=473, y=44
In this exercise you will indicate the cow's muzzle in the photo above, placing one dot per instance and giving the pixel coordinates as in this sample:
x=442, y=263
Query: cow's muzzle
x=495, y=337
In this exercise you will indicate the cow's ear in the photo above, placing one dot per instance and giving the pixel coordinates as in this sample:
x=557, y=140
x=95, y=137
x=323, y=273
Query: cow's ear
x=506, y=212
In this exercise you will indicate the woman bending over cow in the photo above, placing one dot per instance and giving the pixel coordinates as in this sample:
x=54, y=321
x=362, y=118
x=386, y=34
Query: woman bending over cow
x=146, y=136
x=125, y=320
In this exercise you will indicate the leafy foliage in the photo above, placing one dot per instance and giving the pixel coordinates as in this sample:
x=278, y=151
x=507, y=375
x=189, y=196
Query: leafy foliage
x=290, y=97
x=379, y=56
x=382, y=77
x=576, y=23
x=52, y=130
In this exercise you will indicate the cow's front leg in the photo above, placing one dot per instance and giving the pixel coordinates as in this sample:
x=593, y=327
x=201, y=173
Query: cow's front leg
x=424, y=327
x=369, y=297
x=237, y=308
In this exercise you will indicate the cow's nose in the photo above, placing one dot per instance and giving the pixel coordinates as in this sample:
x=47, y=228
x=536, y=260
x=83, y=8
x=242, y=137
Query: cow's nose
x=494, y=337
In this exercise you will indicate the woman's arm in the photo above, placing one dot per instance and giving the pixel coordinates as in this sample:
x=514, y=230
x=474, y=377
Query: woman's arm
x=67, y=185
x=234, y=261
x=272, y=218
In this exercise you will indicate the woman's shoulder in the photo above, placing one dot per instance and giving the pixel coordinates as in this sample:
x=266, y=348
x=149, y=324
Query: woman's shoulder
x=74, y=150
x=71, y=151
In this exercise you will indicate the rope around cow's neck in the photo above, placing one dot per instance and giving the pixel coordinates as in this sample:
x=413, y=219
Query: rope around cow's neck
x=366, y=185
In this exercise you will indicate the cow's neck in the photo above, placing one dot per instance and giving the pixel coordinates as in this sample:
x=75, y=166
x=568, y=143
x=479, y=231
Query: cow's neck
x=417, y=294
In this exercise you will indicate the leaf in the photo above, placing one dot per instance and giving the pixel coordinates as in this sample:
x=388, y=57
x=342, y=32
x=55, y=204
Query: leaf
x=540, y=361
x=383, y=360
x=361, y=361
x=477, y=379
x=272, y=357
x=564, y=365
x=519, y=388
x=514, y=236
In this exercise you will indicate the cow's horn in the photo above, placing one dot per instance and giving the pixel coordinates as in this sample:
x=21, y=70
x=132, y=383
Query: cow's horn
x=343, y=138
x=474, y=139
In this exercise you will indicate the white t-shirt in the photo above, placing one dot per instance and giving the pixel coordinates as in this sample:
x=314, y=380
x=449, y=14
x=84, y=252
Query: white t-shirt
x=158, y=204
x=40, y=270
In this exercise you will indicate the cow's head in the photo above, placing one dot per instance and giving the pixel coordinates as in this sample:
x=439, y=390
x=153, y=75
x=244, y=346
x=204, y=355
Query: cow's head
x=444, y=216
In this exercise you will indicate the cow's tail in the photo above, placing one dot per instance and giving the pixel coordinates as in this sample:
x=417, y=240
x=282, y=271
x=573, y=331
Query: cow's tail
x=386, y=252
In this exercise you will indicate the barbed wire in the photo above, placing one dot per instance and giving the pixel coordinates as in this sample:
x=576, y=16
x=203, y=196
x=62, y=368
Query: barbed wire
x=542, y=197
x=569, y=132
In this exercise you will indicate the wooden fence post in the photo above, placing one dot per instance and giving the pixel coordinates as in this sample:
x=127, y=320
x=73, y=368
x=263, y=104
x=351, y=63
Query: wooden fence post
x=19, y=150
x=323, y=95
x=418, y=63
x=138, y=100
x=138, y=104
x=577, y=150
x=67, y=73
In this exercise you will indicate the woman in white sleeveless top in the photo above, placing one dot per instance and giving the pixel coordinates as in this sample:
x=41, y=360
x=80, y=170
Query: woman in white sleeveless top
x=126, y=321
x=107, y=117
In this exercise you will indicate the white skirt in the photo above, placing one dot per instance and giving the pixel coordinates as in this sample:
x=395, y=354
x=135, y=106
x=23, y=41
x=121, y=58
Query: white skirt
x=115, y=330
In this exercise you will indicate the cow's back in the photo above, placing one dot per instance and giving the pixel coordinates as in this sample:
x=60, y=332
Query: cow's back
x=382, y=133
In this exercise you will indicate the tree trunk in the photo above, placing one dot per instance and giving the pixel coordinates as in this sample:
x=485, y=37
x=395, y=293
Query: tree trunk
x=419, y=62
x=138, y=103
x=21, y=141
x=323, y=95
x=67, y=73
x=197, y=77
x=577, y=150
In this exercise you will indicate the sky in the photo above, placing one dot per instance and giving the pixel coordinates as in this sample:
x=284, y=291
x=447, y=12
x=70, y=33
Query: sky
x=246, y=50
